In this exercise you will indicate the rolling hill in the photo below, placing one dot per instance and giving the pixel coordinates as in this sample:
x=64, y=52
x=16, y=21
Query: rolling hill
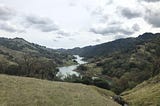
x=21, y=91
x=127, y=64
x=22, y=58
x=146, y=94
x=129, y=67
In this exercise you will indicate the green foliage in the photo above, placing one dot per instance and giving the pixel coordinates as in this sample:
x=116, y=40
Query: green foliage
x=82, y=68
x=102, y=83
x=128, y=64
x=21, y=58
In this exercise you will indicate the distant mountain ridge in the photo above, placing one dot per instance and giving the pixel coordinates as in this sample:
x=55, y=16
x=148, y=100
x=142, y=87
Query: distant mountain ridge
x=119, y=45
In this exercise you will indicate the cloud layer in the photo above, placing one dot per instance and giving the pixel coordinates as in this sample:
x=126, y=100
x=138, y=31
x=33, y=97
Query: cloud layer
x=6, y=13
x=129, y=13
x=153, y=17
x=40, y=23
x=6, y=26
x=151, y=0
x=69, y=23
x=8, y=18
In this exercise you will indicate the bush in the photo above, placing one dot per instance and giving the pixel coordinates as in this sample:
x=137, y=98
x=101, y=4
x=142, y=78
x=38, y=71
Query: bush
x=82, y=68
x=101, y=83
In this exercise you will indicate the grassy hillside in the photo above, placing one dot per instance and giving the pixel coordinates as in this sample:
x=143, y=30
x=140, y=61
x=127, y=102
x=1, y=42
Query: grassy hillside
x=19, y=91
x=145, y=94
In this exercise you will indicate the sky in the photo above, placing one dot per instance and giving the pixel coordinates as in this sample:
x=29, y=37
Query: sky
x=77, y=23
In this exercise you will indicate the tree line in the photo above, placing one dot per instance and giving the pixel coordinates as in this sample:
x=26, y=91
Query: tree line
x=30, y=66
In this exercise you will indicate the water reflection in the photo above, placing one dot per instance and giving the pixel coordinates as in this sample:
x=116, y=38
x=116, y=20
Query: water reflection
x=68, y=70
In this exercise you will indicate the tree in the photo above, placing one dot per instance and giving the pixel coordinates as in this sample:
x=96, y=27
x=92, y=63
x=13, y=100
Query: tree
x=3, y=65
x=101, y=83
x=156, y=69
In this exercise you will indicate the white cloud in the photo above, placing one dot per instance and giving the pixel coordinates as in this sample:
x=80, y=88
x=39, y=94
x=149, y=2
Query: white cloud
x=80, y=22
x=8, y=27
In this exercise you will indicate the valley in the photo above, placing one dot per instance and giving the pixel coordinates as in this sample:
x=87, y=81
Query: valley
x=122, y=76
x=79, y=52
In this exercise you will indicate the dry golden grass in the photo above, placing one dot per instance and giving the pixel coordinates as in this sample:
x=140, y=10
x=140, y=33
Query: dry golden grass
x=19, y=91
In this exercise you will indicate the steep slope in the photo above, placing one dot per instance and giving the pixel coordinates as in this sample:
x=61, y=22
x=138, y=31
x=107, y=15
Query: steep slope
x=145, y=94
x=19, y=91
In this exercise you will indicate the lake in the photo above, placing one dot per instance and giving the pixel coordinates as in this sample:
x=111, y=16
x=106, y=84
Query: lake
x=68, y=70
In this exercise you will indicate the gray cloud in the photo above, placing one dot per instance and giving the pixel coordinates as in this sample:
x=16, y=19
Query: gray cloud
x=114, y=28
x=6, y=13
x=40, y=23
x=64, y=33
x=7, y=16
x=10, y=28
x=128, y=13
x=104, y=18
x=43, y=24
x=97, y=40
x=153, y=17
x=119, y=36
x=150, y=0
x=136, y=27
x=59, y=37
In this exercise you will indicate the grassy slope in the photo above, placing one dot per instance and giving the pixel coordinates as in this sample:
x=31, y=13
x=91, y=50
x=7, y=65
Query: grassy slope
x=19, y=91
x=145, y=94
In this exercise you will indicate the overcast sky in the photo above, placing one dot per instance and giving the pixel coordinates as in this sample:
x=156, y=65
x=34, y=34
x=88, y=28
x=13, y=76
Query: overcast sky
x=77, y=23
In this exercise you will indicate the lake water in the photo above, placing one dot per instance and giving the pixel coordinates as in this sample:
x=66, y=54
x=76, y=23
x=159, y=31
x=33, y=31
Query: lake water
x=68, y=70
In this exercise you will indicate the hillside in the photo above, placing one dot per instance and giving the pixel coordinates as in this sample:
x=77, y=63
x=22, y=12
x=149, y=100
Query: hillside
x=19, y=91
x=125, y=69
x=18, y=46
x=146, y=94
x=119, y=45
x=22, y=58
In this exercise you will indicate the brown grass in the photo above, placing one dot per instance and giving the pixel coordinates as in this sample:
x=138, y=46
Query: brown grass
x=19, y=91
